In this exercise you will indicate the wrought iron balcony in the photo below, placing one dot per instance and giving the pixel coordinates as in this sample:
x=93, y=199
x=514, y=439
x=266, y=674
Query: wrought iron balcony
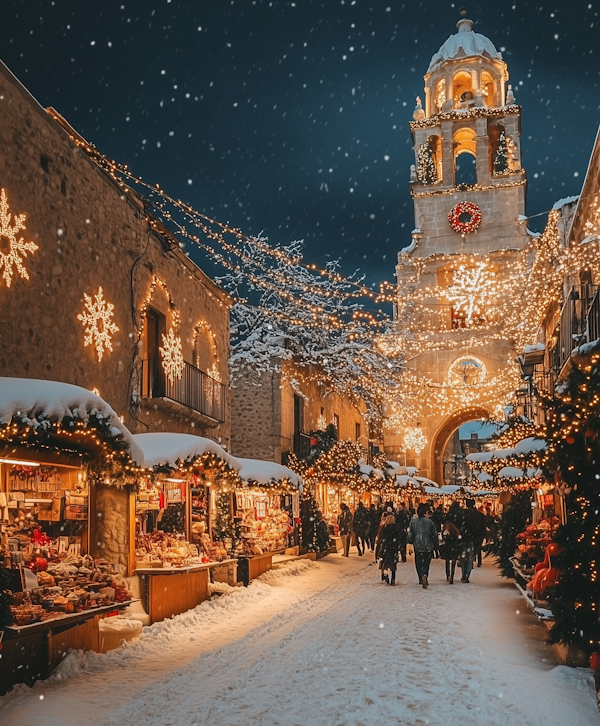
x=579, y=323
x=195, y=389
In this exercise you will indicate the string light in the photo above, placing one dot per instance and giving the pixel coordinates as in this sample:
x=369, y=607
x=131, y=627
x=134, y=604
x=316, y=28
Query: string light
x=415, y=440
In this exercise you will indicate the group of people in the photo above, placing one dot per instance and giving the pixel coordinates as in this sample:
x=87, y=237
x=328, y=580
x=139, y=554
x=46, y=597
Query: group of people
x=455, y=535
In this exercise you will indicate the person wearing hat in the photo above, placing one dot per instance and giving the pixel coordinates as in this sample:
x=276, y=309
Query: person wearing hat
x=388, y=548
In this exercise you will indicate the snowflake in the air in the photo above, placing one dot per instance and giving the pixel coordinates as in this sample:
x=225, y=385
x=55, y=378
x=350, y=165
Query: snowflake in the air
x=172, y=356
x=17, y=248
x=97, y=322
x=472, y=289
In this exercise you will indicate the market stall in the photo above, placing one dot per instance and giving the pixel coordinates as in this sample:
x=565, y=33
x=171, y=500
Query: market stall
x=178, y=535
x=62, y=449
x=266, y=507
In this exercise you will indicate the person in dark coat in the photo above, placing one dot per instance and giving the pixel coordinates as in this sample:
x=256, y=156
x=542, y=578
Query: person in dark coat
x=438, y=517
x=452, y=549
x=345, y=524
x=374, y=519
x=455, y=514
x=403, y=522
x=472, y=531
x=361, y=524
x=424, y=538
x=387, y=549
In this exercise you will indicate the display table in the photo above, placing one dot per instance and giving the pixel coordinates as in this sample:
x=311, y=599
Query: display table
x=32, y=652
x=169, y=591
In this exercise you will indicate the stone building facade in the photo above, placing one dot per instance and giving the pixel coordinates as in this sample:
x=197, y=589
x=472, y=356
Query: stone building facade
x=271, y=411
x=90, y=246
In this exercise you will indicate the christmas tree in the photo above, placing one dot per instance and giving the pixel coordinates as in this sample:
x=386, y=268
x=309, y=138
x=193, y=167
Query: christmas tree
x=426, y=171
x=514, y=520
x=315, y=534
x=501, y=156
x=573, y=428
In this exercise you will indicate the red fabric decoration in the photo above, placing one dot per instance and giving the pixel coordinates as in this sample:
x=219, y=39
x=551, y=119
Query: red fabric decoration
x=465, y=227
x=595, y=662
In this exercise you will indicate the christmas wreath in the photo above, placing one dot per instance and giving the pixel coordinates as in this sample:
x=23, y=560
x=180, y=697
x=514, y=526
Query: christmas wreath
x=465, y=217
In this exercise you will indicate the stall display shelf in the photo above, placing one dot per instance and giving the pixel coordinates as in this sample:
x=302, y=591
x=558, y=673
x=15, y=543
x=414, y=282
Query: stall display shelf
x=64, y=619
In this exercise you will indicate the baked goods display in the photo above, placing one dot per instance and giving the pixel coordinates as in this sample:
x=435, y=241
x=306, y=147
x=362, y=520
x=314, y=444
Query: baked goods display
x=161, y=549
x=72, y=585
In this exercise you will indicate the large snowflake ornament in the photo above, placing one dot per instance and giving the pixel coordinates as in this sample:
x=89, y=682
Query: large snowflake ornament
x=415, y=440
x=472, y=289
x=11, y=255
x=97, y=323
x=172, y=356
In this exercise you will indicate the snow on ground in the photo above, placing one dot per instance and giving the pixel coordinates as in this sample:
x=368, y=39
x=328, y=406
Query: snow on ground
x=326, y=644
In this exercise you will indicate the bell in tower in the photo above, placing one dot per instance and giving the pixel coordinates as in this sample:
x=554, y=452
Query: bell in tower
x=468, y=189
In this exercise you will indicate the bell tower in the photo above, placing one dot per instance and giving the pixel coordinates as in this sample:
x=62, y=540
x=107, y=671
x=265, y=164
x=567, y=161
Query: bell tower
x=468, y=189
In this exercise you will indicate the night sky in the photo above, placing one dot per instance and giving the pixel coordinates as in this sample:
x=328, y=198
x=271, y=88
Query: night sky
x=291, y=118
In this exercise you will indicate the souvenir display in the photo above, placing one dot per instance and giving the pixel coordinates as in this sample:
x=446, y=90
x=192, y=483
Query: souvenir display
x=264, y=525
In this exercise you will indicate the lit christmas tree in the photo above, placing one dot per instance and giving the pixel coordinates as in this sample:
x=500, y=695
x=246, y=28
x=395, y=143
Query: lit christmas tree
x=573, y=430
x=501, y=157
x=426, y=171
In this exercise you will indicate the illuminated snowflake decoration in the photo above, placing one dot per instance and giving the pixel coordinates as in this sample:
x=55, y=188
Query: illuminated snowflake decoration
x=415, y=440
x=472, y=289
x=17, y=248
x=172, y=356
x=96, y=320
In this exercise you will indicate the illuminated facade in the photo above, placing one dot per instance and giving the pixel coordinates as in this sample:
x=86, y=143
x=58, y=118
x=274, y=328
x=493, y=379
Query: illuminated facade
x=92, y=287
x=459, y=275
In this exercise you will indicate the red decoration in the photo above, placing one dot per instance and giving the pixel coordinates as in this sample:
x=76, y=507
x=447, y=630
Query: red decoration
x=595, y=662
x=471, y=217
x=313, y=441
x=570, y=439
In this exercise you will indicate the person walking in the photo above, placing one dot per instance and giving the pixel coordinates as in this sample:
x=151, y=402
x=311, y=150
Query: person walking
x=360, y=527
x=473, y=528
x=452, y=548
x=423, y=537
x=437, y=517
x=403, y=521
x=345, y=521
x=455, y=514
x=388, y=549
x=373, y=526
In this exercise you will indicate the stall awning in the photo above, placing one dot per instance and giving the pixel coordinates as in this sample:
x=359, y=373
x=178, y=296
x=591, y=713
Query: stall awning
x=267, y=473
x=41, y=405
x=173, y=450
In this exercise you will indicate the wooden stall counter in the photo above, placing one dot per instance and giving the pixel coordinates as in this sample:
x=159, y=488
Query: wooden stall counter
x=169, y=591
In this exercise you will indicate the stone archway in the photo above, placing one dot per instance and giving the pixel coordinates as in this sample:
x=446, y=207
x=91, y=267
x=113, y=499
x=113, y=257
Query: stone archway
x=445, y=431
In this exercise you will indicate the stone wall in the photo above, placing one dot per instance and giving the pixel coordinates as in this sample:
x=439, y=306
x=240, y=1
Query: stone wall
x=90, y=234
x=109, y=514
x=263, y=412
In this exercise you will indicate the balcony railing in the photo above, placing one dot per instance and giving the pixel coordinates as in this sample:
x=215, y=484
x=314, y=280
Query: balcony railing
x=574, y=325
x=195, y=389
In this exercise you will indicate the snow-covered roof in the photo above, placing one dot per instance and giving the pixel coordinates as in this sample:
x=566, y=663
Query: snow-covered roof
x=267, y=472
x=464, y=44
x=426, y=481
x=404, y=480
x=480, y=456
x=169, y=449
x=37, y=401
x=566, y=200
x=410, y=470
x=484, y=476
x=511, y=472
x=534, y=348
x=529, y=445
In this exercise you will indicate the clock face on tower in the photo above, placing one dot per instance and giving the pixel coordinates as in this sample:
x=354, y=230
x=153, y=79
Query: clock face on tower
x=465, y=217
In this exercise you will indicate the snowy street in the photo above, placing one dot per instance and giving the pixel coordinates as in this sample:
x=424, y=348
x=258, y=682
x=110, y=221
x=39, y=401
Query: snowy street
x=326, y=643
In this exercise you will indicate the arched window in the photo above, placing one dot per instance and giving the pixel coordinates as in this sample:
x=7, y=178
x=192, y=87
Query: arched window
x=462, y=88
x=488, y=90
x=465, y=152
